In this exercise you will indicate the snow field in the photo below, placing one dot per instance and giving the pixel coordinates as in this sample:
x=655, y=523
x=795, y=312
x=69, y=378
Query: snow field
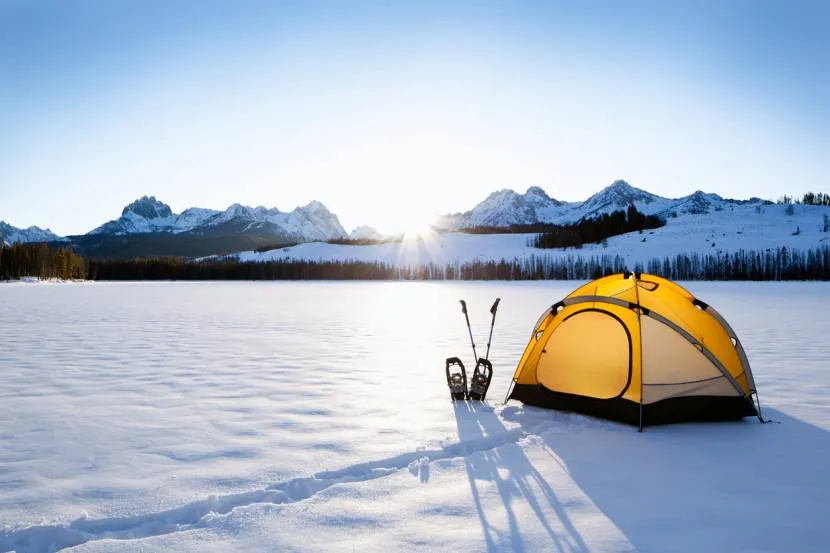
x=315, y=417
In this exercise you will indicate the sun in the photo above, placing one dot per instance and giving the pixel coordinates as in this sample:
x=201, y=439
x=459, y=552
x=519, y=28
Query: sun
x=410, y=222
x=416, y=230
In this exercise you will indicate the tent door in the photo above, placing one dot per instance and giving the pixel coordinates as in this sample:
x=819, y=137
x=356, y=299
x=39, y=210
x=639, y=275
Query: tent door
x=588, y=354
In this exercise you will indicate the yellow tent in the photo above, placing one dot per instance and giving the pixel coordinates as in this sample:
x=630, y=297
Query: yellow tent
x=639, y=349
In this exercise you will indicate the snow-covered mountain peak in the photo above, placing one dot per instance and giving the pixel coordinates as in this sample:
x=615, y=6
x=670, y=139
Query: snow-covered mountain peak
x=146, y=214
x=507, y=207
x=501, y=196
x=197, y=212
x=618, y=195
x=236, y=210
x=698, y=202
x=364, y=232
x=12, y=235
x=314, y=221
x=261, y=211
x=148, y=207
x=700, y=194
x=502, y=208
x=537, y=196
x=318, y=209
x=315, y=205
x=621, y=194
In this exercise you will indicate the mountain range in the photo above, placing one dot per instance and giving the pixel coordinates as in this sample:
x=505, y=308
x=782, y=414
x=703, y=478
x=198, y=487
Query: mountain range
x=148, y=226
x=508, y=207
x=304, y=224
x=10, y=234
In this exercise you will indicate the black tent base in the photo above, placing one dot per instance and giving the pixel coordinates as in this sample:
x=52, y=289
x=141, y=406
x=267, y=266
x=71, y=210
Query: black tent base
x=667, y=411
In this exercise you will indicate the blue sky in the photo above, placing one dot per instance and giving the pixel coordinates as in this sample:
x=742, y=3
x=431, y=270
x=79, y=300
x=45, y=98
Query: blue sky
x=390, y=111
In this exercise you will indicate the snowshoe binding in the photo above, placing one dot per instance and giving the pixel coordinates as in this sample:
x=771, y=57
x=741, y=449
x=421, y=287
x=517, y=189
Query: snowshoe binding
x=480, y=382
x=456, y=378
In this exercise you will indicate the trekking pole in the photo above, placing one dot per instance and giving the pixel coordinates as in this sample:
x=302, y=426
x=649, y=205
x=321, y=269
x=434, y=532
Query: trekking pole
x=464, y=310
x=492, y=323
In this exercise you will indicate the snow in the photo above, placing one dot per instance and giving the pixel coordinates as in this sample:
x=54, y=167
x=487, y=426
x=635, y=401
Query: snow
x=314, y=416
x=747, y=227
x=440, y=248
x=44, y=281
x=25, y=280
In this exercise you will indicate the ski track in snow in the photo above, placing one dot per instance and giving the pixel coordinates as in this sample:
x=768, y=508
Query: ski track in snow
x=52, y=538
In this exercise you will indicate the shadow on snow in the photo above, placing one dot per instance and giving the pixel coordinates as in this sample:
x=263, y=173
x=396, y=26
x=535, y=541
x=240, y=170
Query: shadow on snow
x=477, y=421
x=729, y=486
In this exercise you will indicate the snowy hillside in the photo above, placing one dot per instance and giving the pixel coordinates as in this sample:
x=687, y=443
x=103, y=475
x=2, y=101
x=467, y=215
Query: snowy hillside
x=149, y=215
x=723, y=229
x=506, y=207
x=12, y=235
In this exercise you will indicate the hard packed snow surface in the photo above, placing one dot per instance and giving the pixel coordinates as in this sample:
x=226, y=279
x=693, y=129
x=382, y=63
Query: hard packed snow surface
x=315, y=416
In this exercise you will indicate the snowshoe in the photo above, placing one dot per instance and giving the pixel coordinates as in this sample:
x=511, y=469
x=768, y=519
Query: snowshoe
x=456, y=378
x=480, y=382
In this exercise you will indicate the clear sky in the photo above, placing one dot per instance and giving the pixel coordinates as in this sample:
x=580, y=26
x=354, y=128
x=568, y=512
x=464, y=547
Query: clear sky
x=390, y=111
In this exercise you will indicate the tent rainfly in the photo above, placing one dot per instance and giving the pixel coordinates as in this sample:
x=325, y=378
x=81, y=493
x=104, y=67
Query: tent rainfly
x=636, y=348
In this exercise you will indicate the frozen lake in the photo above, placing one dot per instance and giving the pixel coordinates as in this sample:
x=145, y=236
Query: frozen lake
x=314, y=416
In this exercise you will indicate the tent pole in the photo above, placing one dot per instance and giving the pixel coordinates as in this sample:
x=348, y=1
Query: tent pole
x=640, y=328
x=760, y=416
x=509, y=389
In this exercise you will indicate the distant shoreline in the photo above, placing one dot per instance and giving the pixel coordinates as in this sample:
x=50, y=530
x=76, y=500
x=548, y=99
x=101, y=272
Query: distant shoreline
x=39, y=261
x=782, y=264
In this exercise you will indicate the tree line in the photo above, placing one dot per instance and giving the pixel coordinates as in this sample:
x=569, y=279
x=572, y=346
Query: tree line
x=40, y=260
x=810, y=198
x=770, y=264
x=596, y=230
x=365, y=241
x=574, y=235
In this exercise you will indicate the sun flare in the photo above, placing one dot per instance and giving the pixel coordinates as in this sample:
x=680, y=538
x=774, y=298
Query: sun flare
x=415, y=227
x=416, y=232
